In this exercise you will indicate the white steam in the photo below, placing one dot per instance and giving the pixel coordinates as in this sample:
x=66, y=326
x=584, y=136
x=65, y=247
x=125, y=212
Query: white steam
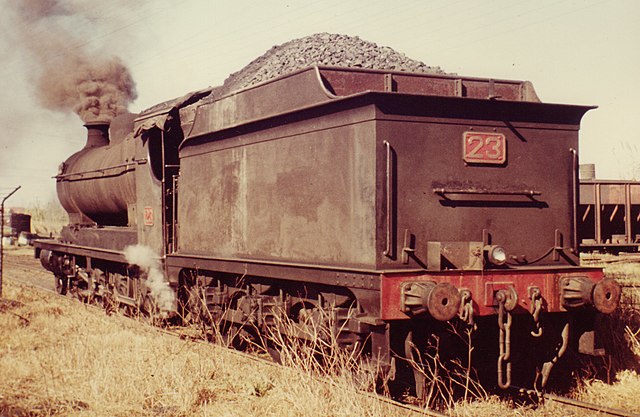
x=146, y=259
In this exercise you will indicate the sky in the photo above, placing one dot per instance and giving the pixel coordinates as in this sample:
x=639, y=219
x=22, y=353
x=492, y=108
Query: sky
x=573, y=51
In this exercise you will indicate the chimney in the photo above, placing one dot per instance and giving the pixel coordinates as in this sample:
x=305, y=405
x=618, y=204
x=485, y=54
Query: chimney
x=97, y=133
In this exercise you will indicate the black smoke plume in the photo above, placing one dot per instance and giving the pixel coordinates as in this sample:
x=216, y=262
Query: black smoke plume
x=66, y=74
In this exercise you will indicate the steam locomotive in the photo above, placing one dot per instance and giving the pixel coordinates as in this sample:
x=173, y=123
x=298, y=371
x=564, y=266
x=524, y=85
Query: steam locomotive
x=401, y=205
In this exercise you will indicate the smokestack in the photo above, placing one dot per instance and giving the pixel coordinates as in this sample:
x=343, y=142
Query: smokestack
x=97, y=133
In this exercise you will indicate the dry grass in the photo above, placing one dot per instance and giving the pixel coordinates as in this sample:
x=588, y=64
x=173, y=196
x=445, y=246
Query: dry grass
x=621, y=394
x=624, y=268
x=634, y=340
x=625, y=273
x=61, y=358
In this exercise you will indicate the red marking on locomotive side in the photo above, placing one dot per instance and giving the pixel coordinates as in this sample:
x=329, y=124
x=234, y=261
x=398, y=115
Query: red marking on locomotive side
x=148, y=216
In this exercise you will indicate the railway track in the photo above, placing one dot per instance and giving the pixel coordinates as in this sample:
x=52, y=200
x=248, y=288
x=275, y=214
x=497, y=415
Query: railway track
x=570, y=402
x=17, y=260
x=589, y=406
x=42, y=279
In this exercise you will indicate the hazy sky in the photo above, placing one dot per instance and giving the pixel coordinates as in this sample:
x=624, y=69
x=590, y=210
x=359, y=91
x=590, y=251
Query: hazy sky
x=574, y=51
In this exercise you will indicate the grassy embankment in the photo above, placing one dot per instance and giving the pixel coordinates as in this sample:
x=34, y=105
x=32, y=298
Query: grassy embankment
x=61, y=358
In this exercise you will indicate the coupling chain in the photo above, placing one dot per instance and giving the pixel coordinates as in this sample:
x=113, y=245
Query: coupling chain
x=536, y=308
x=504, y=344
x=466, y=308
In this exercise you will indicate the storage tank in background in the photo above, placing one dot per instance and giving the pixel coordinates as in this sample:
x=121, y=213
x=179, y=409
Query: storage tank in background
x=19, y=222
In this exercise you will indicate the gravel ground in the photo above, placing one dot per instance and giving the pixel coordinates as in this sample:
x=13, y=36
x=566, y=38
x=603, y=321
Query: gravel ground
x=21, y=266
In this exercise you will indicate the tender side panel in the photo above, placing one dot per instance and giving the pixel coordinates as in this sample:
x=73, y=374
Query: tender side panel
x=302, y=192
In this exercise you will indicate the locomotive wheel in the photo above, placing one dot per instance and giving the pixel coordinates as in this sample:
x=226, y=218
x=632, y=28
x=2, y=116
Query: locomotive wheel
x=309, y=318
x=97, y=296
x=148, y=305
x=127, y=310
x=79, y=290
x=301, y=316
x=61, y=284
x=121, y=289
x=149, y=310
x=96, y=300
x=110, y=303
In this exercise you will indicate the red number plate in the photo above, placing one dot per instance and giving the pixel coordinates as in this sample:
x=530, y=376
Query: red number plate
x=484, y=148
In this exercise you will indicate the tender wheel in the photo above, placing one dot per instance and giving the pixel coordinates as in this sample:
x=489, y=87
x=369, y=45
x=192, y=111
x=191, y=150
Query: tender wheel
x=62, y=284
x=275, y=353
x=238, y=337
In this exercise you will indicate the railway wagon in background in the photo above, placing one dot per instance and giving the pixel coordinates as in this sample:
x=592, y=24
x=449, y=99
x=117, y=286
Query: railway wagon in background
x=391, y=206
x=609, y=213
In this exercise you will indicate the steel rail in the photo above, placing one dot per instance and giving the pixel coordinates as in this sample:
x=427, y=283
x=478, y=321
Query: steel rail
x=577, y=403
x=415, y=409
x=589, y=406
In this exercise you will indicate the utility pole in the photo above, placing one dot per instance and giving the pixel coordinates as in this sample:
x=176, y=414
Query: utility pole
x=2, y=234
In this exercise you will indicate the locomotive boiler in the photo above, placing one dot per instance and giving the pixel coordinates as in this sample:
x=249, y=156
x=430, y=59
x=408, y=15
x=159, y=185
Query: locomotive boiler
x=401, y=205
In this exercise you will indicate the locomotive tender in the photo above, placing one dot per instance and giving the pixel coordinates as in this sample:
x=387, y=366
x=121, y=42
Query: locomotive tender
x=394, y=202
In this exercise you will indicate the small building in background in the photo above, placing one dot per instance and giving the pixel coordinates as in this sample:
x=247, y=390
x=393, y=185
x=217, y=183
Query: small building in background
x=17, y=227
